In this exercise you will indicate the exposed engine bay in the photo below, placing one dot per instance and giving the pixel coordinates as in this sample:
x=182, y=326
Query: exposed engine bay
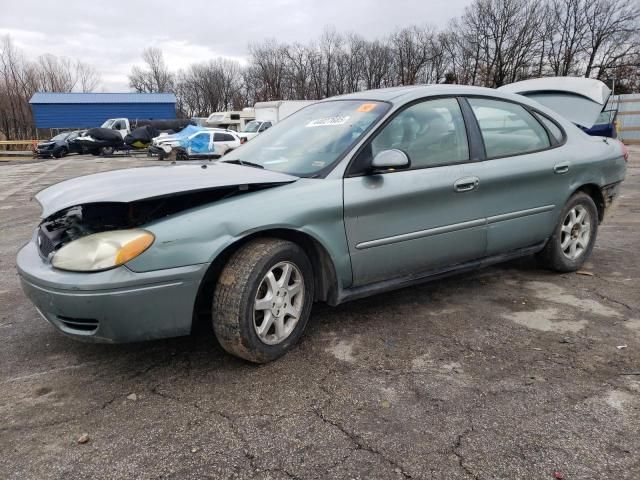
x=78, y=221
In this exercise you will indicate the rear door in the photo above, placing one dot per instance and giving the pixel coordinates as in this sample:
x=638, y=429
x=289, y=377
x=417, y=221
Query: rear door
x=525, y=176
x=402, y=223
x=200, y=144
x=223, y=142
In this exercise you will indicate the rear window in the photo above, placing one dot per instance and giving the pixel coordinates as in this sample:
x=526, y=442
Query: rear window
x=507, y=128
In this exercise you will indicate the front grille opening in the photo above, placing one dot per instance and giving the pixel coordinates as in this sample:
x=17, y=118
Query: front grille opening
x=45, y=244
x=80, y=324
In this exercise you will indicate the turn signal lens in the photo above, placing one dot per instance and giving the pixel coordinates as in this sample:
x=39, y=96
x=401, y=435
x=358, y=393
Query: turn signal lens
x=102, y=251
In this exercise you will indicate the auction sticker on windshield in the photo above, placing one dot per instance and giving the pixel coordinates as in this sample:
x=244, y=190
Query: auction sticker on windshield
x=328, y=121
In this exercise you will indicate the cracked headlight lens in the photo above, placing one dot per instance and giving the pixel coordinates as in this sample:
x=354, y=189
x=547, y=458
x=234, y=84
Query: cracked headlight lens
x=101, y=251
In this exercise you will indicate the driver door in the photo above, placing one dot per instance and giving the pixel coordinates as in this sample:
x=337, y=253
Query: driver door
x=401, y=223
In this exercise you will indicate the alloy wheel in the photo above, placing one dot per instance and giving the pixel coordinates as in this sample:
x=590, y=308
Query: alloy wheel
x=278, y=303
x=575, y=232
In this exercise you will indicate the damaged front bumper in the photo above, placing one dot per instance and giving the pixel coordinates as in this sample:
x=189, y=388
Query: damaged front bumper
x=113, y=306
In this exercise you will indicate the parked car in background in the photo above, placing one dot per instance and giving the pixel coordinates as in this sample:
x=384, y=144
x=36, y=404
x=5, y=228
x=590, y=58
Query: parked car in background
x=60, y=145
x=605, y=126
x=268, y=114
x=205, y=142
x=349, y=197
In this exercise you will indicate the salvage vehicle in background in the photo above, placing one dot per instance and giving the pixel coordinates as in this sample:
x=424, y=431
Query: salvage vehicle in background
x=605, y=125
x=59, y=145
x=123, y=133
x=203, y=142
x=349, y=197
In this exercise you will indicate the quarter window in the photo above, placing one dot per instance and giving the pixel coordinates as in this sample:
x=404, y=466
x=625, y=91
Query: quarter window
x=507, y=128
x=431, y=133
x=553, y=129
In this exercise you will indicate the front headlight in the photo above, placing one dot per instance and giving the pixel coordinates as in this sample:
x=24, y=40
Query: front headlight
x=102, y=251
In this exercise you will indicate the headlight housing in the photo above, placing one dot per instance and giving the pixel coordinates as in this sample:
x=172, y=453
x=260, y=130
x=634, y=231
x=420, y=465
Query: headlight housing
x=102, y=251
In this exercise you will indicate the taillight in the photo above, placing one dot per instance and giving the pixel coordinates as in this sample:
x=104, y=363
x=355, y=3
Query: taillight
x=625, y=152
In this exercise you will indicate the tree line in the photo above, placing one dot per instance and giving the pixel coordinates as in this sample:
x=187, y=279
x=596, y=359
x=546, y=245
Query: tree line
x=20, y=78
x=494, y=42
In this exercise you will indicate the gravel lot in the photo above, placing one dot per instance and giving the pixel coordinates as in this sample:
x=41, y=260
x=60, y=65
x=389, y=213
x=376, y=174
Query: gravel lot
x=509, y=372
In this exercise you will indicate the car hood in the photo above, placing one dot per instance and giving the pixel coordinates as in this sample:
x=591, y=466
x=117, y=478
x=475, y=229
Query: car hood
x=143, y=183
x=578, y=99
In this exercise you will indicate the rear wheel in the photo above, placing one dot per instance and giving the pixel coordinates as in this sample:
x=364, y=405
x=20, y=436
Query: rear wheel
x=108, y=150
x=574, y=236
x=263, y=299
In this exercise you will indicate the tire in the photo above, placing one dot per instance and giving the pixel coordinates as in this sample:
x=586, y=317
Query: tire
x=243, y=282
x=562, y=257
x=107, y=150
x=62, y=153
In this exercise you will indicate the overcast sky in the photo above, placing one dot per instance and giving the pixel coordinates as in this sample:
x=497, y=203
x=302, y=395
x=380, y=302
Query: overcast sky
x=111, y=34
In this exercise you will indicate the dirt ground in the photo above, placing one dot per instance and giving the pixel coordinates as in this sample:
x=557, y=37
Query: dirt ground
x=511, y=372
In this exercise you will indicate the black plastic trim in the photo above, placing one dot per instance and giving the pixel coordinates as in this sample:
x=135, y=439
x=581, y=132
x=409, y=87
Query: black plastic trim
x=355, y=293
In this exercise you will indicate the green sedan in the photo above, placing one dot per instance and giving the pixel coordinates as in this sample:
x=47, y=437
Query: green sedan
x=349, y=197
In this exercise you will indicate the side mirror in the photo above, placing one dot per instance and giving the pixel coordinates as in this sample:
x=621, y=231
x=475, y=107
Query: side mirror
x=390, y=159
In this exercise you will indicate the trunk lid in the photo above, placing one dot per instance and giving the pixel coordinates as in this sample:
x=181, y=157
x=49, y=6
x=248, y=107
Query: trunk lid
x=579, y=100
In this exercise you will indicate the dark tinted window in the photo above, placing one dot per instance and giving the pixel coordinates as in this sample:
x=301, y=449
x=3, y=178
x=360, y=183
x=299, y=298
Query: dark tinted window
x=217, y=137
x=227, y=138
x=507, y=128
x=554, y=130
x=431, y=133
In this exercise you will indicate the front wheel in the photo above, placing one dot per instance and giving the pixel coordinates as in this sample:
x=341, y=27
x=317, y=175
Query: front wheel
x=263, y=299
x=62, y=153
x=574, y=236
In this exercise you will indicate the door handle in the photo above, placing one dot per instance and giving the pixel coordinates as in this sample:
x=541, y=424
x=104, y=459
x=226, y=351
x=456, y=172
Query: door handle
x=466, y=184
x=561, y=168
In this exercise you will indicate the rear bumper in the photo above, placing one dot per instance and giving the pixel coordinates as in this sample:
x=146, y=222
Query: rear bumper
x=114, y=306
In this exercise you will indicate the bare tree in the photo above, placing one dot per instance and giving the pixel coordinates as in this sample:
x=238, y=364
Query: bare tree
x=612, y=35
x=87, y=77
x=155, y=77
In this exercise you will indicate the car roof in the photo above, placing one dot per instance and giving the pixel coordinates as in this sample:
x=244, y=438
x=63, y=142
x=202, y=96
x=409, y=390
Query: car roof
x=403, y=94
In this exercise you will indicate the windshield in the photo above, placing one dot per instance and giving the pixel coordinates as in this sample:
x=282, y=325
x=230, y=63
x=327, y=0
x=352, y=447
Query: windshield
x=311, y=139
x=252, y=126
x=59, y=137
x=108, y=123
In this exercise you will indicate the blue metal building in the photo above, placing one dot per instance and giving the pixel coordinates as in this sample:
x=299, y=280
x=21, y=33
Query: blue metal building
x=86, y=110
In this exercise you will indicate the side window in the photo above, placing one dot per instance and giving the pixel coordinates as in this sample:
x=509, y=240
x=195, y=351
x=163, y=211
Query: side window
x=431, y=133
x=554, y=130
x=264, y=126
x=217, y=137
x=507, y=128
x=227, y=138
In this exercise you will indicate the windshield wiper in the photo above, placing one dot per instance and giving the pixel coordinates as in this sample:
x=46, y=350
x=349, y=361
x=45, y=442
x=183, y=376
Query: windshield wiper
x=237, y=161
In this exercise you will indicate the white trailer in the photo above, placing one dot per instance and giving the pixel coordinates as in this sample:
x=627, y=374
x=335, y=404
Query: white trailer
x=269, y=113
x=233, y=120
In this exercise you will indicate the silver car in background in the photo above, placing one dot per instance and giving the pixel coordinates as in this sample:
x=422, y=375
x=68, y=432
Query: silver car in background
x=348, y=197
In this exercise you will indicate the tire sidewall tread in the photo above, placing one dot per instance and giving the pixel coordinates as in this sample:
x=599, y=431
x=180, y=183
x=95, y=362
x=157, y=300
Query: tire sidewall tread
x=232, y=310
x=552, y=256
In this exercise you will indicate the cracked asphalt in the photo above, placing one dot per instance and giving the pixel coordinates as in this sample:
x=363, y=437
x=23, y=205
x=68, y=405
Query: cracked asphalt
x=509, y=372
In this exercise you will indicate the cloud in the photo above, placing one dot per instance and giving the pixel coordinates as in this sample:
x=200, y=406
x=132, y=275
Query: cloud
x=112, y=34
